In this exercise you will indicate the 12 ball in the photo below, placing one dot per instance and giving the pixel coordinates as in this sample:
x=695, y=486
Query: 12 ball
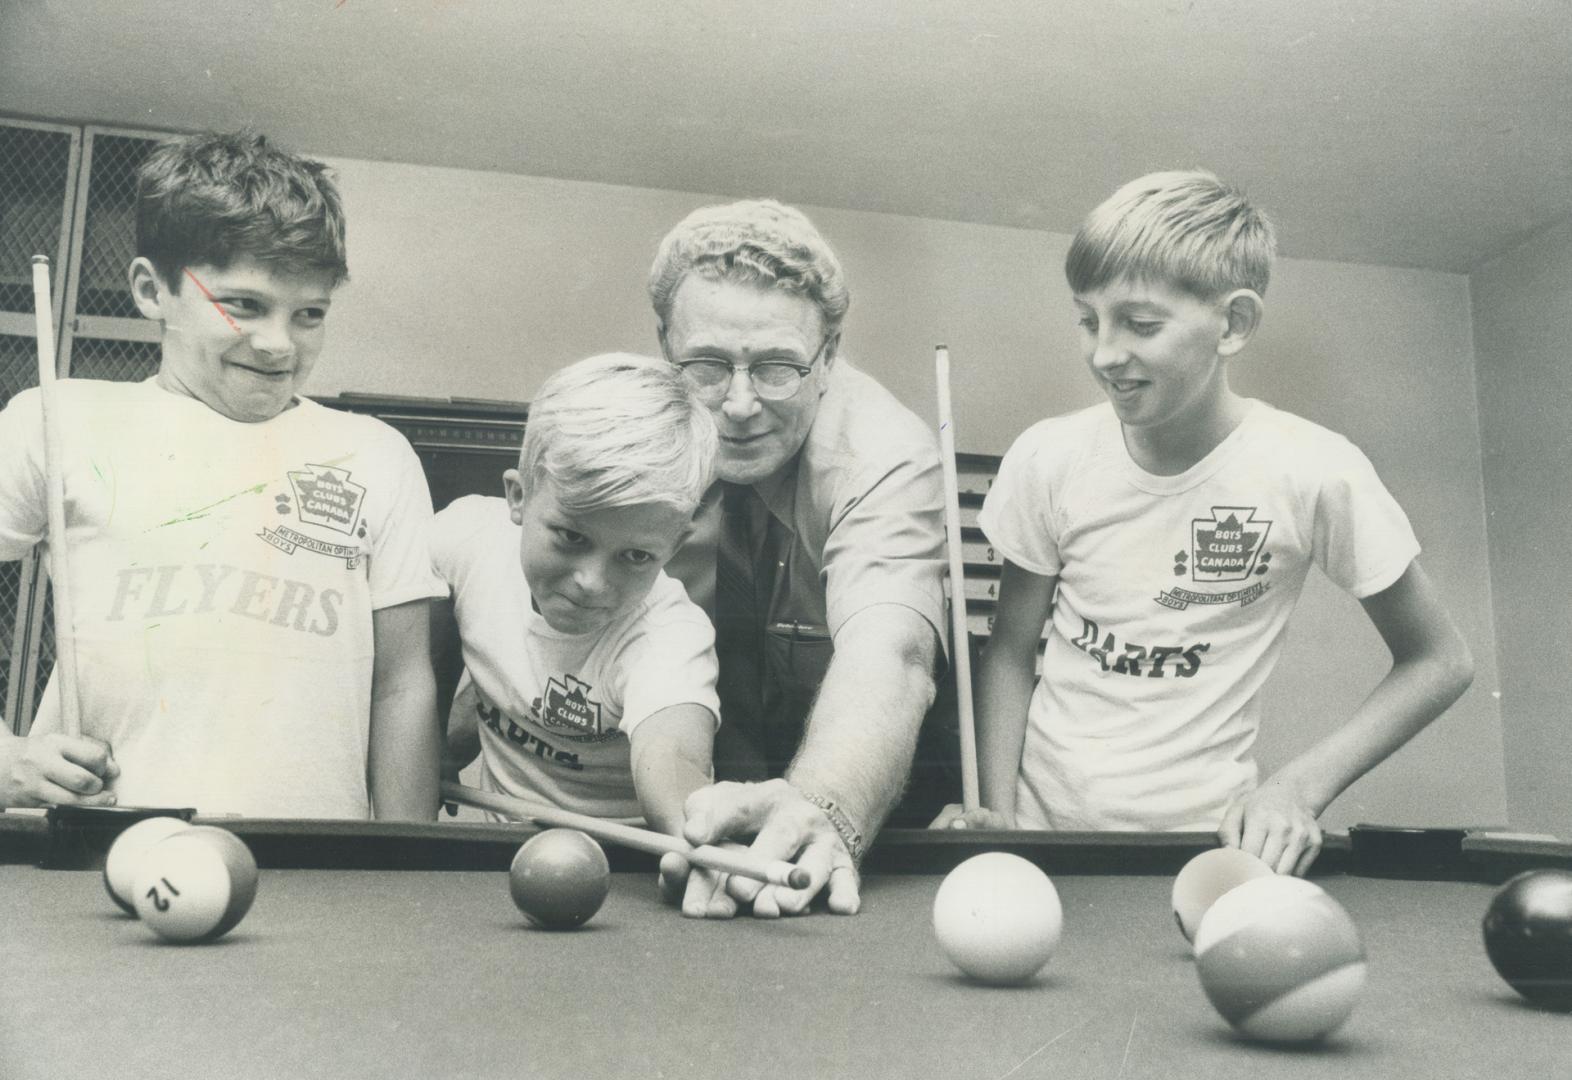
x=196, y=885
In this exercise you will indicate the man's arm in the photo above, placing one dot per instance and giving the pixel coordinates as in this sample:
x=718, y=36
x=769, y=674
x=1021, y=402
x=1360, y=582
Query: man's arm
x=1431, y=667
x=404, y=752
x=861, y=734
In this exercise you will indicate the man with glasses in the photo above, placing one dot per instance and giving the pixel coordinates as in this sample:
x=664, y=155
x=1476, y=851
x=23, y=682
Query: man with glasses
x=819, y=554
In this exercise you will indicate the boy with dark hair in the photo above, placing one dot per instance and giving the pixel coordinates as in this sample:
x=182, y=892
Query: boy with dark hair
x=251, y=569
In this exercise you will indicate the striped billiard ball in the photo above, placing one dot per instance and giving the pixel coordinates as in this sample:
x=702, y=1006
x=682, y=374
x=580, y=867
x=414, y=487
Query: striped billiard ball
x=196, y=885
x=1280, y=960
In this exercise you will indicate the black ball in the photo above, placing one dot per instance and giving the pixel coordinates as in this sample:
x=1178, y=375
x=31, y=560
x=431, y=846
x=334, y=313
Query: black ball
x=1528, y=936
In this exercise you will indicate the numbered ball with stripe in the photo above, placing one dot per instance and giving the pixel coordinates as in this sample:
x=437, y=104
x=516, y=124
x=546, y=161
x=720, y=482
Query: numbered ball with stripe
x=1280, y=960
x=196, y=885
x=127, y=852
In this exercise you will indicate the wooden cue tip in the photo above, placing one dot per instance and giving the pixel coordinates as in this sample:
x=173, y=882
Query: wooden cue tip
x=798, y=878
x=40, y=259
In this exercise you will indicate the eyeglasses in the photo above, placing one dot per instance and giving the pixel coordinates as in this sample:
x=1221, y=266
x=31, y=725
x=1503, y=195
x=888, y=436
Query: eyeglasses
x=772, y=380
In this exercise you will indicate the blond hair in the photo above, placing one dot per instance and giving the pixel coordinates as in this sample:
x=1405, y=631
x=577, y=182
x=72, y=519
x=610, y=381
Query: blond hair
x=619, y=430
x=1188, y=229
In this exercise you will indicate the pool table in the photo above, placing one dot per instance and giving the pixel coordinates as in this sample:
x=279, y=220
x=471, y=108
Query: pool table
x=378, y=950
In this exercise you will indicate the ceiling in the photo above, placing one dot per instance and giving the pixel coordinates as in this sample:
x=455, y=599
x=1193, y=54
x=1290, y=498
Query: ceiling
x=1427, y=133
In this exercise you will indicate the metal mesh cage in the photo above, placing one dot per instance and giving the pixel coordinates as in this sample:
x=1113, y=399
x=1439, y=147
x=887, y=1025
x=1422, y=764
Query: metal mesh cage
x=10, y=596
x=46, y=644
x=18, y=364
x=34, y=170
x=122, y=361
x=109, y=227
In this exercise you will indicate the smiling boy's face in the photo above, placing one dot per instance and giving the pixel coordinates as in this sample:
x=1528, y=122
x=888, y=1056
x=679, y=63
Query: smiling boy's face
x=584, y=569
x=242, y=339
x=1158, y=352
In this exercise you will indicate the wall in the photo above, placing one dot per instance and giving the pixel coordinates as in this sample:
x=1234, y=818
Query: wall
x=480, y=284
x=1522, y=305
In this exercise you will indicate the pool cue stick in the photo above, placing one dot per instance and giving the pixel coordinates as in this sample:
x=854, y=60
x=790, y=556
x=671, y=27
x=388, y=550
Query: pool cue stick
x=961, y=646
x=740, y=863
x=54, y=474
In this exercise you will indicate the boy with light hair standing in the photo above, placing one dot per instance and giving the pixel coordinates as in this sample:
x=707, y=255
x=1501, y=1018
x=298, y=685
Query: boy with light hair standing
x=1166, y=534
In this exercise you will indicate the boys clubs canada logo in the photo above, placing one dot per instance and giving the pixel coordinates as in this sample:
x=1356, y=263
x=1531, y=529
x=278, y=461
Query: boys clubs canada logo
x=1228, y=545
x=326, y=497
x=567, y=705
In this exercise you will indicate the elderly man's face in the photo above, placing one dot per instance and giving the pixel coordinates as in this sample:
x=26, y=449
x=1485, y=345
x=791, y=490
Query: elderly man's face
x=743, y=325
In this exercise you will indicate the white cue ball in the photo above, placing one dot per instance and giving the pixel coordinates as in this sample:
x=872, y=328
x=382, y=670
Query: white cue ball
x=127, y=852
x=1280, y=960
x=1208, y=876
x=196, y=885
x=998, y=918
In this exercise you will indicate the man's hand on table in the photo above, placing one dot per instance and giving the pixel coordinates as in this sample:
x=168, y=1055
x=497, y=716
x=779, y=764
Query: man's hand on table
x=783, y=825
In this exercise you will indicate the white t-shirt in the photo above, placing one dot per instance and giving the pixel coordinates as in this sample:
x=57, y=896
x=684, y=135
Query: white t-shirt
x=1174, y=593
x=556, y=710
x=224, y=575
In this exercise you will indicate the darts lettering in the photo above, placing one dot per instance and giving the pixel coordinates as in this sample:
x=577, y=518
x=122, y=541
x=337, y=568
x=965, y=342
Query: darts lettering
x=168, y=592
x=1150, y=661
x=522, y=737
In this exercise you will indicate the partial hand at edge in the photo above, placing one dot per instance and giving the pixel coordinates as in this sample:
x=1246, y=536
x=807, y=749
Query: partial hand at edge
x=56, y=769
x=955, y=816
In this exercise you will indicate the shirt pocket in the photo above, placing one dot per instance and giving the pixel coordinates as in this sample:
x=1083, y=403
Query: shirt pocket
x=797, y=655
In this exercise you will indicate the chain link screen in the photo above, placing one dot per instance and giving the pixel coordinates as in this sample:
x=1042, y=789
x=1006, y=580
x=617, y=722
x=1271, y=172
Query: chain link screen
x=105, y=358
x=34, y=172
x=34, y=181
x=109, y=227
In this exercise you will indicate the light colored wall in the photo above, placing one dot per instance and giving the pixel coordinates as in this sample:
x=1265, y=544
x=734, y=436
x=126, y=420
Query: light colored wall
x=480, y=284
x=1523, y=339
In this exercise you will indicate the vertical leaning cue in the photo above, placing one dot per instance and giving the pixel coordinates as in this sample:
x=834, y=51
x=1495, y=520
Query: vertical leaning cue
x=54, y=473
x=961, y=646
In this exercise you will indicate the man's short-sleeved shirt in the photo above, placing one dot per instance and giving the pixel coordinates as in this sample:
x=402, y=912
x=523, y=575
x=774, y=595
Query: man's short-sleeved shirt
x=859, y=511
x=1174, y=594
x=556, y=710
x=856, y=519
x=224, y=577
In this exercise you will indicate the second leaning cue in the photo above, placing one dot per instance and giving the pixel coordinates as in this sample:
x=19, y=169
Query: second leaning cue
x=54, y=474
x=961, y=647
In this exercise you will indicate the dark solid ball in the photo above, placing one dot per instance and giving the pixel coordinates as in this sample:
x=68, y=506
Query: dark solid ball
x=1528, y=936
x=559, y=879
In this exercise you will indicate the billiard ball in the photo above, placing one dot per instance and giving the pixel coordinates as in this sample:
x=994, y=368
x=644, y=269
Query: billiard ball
x=196, y=885
x=1528, y=936
x=127, y=852
x=1208, y=876
x=998, y=918
x=1280, y=960
x=559, y=879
